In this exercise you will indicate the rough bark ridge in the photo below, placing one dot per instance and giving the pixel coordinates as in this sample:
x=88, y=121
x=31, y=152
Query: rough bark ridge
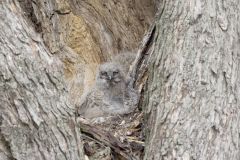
x=191, y=98
x=36, y=119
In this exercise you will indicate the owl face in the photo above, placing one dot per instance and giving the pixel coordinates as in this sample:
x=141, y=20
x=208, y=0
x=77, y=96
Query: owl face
x=110, y=74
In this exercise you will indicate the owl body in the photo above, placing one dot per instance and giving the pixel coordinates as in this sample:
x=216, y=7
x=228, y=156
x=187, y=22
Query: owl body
x=91, y=104
x=110, y=95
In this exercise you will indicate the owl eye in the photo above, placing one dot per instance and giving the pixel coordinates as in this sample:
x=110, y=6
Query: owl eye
x=104, y=73
x=115, y=72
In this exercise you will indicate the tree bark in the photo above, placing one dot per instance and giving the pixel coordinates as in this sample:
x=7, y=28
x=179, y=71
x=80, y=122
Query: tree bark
x=116, y=25
x=191, y=98
x=36, y=119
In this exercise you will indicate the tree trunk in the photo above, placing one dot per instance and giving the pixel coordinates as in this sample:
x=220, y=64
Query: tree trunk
x=191, y=98
x=36, y=119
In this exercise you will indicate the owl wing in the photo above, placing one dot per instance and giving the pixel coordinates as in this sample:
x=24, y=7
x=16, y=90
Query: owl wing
x=91, y=104
x=131, y=99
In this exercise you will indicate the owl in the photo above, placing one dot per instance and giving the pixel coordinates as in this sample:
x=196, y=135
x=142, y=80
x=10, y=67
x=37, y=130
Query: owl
x=110, y=95
x=111, y=81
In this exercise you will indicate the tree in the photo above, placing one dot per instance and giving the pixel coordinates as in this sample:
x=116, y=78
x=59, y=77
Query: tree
x=187, y=70
x=44, y=46
x=36, y=119
x=191, y=97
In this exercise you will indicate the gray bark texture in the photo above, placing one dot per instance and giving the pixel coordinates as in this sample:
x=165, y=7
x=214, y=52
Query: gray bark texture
x=191, y=98
x=36, y=119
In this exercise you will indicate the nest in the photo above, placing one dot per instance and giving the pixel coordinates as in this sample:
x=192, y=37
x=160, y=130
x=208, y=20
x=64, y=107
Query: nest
x=118, y=137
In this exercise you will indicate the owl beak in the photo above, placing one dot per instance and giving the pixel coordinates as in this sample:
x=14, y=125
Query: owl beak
x=110, y=76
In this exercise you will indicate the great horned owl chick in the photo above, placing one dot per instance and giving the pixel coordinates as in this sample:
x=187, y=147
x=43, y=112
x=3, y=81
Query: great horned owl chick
x=110, y=95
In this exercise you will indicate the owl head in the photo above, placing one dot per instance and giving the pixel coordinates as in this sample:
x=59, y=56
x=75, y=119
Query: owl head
x=110, y=74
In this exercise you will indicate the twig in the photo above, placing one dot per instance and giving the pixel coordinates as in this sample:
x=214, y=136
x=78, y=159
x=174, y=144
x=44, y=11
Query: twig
x=106, y=138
